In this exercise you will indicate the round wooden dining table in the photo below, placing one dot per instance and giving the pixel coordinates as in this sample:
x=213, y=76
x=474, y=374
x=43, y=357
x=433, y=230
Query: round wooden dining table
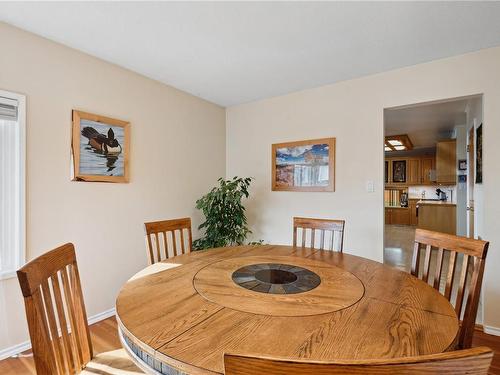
x=180, y=316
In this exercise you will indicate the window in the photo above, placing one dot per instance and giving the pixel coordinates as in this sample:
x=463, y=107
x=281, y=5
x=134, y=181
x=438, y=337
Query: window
x=12, y=182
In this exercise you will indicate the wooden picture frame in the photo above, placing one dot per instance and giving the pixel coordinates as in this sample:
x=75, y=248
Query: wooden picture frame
x=100, y=148
x=399, y=171
x=303, y=165
x=479, y=154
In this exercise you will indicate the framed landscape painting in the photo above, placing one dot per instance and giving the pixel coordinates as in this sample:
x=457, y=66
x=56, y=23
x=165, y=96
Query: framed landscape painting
x=100, y=148
x=304, y=165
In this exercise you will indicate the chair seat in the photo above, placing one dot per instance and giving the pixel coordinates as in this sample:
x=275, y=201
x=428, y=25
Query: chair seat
x=115, y=362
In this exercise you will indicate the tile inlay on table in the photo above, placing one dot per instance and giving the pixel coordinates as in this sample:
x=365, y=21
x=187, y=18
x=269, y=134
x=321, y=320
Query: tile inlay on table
x=275, y=278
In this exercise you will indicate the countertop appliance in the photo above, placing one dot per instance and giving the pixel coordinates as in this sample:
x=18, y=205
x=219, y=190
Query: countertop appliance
x=441, y=195
x=403, y=200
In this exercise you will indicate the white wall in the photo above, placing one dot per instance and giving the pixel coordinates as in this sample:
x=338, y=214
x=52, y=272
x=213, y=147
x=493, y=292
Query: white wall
x=177, y=153
x=352, y=111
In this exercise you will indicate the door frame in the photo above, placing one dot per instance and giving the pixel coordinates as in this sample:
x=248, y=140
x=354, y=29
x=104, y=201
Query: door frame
x=471, y=170
x=418, y=104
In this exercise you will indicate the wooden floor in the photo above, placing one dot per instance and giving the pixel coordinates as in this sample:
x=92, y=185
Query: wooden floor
x=398, y=246
x=105, y=338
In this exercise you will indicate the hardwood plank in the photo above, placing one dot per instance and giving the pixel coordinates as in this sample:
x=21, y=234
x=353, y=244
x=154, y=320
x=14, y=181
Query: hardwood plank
x=401, y=314
x=315, y=337
x=338, y=289
x=171, y=301
x=226, y=330
x=105, y=338
x=474, y=361
x=162, y=312
x=388, y=284
x=493, y=342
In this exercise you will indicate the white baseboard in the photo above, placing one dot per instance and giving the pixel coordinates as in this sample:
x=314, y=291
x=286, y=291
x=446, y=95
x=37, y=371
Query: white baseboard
x=13, y=350
x=19, y=348
x=491, y=330
x=101, y=316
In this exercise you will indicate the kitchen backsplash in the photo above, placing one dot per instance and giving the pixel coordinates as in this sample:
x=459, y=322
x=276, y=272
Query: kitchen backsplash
x=415, y=192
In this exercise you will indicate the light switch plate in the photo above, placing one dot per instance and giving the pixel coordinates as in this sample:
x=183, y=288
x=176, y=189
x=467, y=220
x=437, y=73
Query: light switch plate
x=370, y=186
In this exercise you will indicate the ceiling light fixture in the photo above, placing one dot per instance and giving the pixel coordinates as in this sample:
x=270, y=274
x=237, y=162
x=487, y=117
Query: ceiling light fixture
x=397, y=143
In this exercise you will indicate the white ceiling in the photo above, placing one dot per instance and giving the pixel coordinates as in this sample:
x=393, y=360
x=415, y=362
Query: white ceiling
x=428, y=123
x=231, y=53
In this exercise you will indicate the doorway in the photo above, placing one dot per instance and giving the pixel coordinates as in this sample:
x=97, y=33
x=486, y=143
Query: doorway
x=470, y=182
x=430, y=159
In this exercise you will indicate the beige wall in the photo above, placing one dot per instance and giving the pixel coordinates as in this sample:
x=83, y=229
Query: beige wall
x=177, y=153
x=352, y=111
x=171, y=129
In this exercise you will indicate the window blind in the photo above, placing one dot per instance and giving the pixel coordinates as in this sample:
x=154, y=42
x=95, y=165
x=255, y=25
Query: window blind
x=8, y=109
x=10, y=186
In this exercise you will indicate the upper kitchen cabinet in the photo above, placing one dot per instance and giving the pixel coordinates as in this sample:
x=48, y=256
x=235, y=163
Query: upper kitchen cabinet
x=414, y=172
x=410, y=171
x=428, y=168
x=446, y=162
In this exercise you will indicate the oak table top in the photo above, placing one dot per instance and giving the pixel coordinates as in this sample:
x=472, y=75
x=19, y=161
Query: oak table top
x=181, y=315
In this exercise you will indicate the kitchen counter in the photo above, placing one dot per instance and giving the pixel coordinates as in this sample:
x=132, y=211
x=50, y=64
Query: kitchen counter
x=439, y=216
x=435, y=203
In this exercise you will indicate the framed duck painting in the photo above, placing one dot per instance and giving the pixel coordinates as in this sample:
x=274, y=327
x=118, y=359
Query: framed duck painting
x=304, y=165
x=100, y=148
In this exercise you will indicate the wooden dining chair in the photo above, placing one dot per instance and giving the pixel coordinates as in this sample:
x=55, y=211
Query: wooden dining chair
x=331, y=233
x=474, y=361
x=468, y=286
x=167, y=229
x=57, y=319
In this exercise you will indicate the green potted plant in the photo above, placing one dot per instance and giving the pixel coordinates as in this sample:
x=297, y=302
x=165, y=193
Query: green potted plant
x=225, y=220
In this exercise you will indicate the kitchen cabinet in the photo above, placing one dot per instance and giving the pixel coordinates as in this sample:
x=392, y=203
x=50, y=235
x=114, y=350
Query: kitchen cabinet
x=438, y=216
x=396, y=172
x=446, y=162
x=400, y=216
x=388, y=213
x=414, y=172
x=397, y=215
x=428, y=170
x=412, y=205
x=410, y=171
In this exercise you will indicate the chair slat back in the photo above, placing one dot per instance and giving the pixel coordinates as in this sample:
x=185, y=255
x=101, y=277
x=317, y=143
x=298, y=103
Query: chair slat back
x=324, y=234
x=474, y=361
x=168, y=238
x=55, y=310
x=465, y=291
